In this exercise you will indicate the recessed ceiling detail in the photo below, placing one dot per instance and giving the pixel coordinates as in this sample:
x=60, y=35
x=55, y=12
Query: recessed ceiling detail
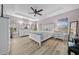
x=47, y=10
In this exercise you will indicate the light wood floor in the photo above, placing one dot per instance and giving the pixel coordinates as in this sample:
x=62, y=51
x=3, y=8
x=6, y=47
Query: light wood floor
x=25, y=46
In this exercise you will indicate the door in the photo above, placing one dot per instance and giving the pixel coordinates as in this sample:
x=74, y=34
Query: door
x=4, y=35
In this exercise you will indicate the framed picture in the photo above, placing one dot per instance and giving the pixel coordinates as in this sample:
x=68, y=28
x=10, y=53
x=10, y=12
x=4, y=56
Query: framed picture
x=62, y=25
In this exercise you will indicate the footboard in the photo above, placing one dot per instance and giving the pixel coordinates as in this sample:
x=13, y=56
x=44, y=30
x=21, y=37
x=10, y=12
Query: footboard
x=36, y=37
x=40, y=36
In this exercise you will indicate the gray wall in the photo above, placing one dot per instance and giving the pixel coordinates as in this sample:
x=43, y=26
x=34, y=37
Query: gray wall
x=72, y=15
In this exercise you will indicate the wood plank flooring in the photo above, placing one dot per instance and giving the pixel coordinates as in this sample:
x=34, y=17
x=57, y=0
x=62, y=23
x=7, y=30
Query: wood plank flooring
x=26, y=46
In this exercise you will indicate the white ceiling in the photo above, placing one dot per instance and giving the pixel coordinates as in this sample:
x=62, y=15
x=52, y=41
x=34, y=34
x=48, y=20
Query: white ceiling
x=22, y=10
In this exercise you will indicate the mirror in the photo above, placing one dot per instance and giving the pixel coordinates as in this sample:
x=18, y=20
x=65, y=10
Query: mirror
x=73, y=30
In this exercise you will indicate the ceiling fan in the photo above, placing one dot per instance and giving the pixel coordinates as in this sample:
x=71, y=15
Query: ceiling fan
x=35, y=11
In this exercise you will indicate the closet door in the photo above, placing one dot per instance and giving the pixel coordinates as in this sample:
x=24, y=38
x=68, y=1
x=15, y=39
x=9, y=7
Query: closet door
x=4, y=35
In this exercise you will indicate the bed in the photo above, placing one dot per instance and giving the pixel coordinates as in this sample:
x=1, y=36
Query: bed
x=40, y=36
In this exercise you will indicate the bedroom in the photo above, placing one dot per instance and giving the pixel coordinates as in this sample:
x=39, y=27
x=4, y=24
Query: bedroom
x=39, y=29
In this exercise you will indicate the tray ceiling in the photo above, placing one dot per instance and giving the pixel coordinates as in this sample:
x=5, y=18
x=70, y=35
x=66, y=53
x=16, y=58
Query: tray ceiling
x=22, y=10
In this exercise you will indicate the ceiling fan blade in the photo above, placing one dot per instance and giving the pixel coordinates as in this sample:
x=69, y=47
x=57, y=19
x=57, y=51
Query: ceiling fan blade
x=32, y=8
x=39, y=14
x=40, y=10
x=35, y=11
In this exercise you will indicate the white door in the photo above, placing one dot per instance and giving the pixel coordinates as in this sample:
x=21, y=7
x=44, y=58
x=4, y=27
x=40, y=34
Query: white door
x=4, y=35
